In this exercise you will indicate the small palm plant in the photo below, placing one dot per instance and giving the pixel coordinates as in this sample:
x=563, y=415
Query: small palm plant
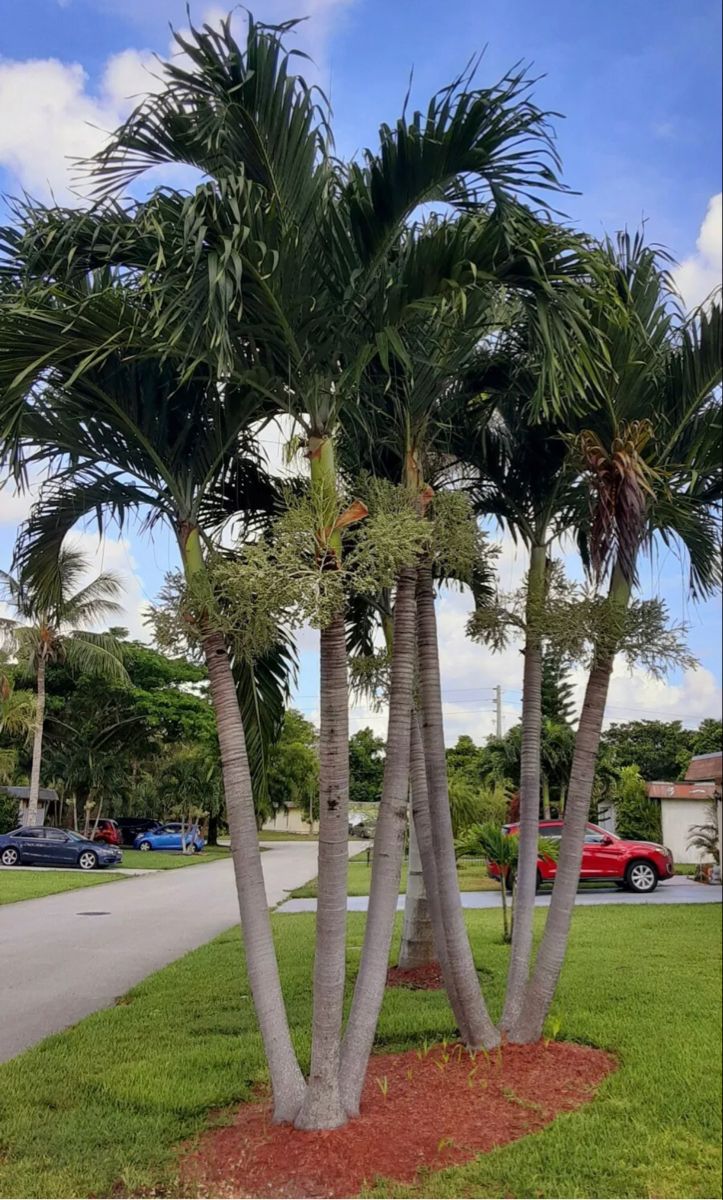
x=45, y=634
x=501, y=849
x=17, y=720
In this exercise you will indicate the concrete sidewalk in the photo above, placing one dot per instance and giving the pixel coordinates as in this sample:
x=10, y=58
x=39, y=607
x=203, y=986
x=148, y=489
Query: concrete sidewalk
x=675, y=891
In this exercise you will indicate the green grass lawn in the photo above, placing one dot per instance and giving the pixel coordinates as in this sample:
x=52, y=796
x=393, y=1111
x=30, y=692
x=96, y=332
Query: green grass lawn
x=278, y=835
x=29, y=885
x=100, y=1109
x=165, y=860
x=472, y=875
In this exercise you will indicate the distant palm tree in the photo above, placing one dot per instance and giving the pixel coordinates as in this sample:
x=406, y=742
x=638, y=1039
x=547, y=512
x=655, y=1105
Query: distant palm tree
x=47, y=632
x=17, y=719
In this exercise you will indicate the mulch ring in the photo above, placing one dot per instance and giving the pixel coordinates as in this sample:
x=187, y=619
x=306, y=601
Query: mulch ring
x=417, y=979
x=430, y=1108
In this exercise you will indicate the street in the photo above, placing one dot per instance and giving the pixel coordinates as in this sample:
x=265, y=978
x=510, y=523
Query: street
x=65, y=956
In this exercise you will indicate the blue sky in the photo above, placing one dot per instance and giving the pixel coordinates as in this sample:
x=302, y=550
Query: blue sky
x=639, y=87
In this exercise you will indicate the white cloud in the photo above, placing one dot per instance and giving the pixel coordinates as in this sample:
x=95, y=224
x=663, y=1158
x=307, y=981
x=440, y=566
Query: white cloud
x=698, y=275
x=49, y=118
x=15, y=506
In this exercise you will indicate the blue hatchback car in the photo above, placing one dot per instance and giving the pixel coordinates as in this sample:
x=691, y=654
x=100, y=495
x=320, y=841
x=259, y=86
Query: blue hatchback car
x=170, y=837
x=47, y=847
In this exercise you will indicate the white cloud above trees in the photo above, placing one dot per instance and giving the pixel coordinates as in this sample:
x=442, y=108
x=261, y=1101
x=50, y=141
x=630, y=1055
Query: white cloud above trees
x=698, y=275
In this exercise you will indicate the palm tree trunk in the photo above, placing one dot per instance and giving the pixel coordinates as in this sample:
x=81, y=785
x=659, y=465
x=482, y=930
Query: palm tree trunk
x=417, y=945
x=388, y=851
x=287, y=1082
x=97, y=819
x=423, y=832
x=479, y=1028
x=34, y=796
x=503, y=893
x=526, y=874
x=550, y=957
x=323, y=1107
x=546, y=810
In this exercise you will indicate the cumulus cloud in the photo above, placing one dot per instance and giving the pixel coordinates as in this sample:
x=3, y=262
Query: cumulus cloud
x=698, y=275
x=50, y=117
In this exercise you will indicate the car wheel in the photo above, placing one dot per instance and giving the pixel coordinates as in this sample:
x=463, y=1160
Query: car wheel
x=10, y=857
x=196, y=849
x=641, y=876
x=145, y=846
x=538, y=882
x=88, y=860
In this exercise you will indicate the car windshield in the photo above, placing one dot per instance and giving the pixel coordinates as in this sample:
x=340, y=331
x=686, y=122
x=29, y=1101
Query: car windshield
x=76, y=837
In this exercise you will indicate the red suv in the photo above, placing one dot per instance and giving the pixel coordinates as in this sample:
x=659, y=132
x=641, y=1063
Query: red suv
x=638, y=866
x=108, y=832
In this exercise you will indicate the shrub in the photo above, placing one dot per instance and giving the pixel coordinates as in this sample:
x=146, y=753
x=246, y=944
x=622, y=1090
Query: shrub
x=8, y=812
x=636, y=815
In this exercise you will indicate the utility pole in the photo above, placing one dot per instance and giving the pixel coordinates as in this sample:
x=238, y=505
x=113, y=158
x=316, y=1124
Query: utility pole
x=498, y=708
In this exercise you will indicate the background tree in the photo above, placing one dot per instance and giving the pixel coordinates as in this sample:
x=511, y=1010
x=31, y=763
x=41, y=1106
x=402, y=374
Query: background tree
x=293, y=771
x=557, y=690
x=636, y=815
x=366, y=767
x=45, y=634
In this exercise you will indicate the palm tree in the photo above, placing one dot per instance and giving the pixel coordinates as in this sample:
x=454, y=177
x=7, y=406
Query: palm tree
x=503, y=851
x=519, y=472
x=47, y=633
x=333, y=236
x=17, y=720
x=651, y=452
x=134, y=433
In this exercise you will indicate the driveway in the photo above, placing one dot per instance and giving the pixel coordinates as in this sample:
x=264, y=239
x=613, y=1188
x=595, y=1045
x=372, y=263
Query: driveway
x=65, y=956
x=676, y=891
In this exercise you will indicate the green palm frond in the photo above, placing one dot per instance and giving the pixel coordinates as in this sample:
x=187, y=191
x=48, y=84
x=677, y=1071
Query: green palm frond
x=263, y=689
x=95, y=654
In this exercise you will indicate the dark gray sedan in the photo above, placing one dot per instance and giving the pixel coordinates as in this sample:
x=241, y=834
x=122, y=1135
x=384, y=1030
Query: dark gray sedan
x=48, y=847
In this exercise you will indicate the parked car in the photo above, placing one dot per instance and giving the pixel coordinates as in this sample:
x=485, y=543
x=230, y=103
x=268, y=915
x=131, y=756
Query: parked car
x=637, y=866
x=130, y=827
x=107, y=831
x=46, y=846
x=170, y=837
x=361, y=826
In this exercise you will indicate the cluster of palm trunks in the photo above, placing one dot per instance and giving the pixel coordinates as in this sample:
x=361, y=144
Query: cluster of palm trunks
x=486, y=351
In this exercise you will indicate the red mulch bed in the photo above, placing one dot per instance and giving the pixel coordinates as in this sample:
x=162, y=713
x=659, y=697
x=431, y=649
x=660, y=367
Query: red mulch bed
x=428, y=1110
x=418, y=979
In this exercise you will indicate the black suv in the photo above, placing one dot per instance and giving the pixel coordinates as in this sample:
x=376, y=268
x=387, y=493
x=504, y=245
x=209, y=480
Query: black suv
x=130, y=827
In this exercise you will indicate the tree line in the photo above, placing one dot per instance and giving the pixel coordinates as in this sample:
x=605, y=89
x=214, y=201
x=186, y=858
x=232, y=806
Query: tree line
x=448, y=354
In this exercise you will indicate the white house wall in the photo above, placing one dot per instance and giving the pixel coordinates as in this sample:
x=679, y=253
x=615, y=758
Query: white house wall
x=677, y=818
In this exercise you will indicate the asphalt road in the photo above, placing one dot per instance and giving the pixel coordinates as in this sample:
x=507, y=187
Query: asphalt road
x=64, y=956
x=675, y=891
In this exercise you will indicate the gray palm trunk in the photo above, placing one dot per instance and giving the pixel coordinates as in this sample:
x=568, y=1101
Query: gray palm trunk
x=287, y=1082
x=33, y=813
x=550, y=957
x=323, y=1107
x=423, y=832
x=546, y=810
x=417, y=944
x=478, y=1028
x=526, y=873
x=541, y=989
x=388, y=852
